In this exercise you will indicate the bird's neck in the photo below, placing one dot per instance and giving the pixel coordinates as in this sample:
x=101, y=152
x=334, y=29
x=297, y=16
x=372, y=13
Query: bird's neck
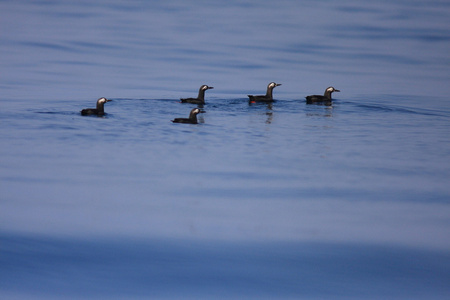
x=193, y=118
x=201, y=95
x=100, y=107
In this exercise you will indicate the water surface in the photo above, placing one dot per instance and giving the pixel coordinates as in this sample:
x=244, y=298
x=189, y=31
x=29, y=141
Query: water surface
x=285, y=200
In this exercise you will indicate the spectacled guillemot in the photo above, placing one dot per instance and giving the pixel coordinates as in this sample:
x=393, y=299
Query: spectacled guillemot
x=201, y=96
x=267, y=97
x=319, y=98
x=192, y=117
x=99, y=111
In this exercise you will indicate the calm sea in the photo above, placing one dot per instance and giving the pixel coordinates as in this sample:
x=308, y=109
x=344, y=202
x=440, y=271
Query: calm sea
x=257, y=201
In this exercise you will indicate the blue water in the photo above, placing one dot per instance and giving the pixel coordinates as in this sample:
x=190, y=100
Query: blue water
x=279, y=201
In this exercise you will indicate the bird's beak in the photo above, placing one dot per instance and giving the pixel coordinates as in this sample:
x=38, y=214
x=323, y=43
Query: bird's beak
x=202, y=111
x=337, y=90
x=278, y=84
x=107, y=100
x=210, y=87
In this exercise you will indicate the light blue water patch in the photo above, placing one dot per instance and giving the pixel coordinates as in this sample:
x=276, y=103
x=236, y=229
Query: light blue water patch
x=286, y=157
x=41, y=267
x=137, y=50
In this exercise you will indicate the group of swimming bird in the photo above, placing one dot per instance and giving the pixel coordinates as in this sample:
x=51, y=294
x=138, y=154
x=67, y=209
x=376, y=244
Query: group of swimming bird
x=268, y=97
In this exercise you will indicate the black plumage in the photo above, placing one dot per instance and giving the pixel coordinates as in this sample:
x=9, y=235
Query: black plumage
x=267, y=97
x=201, y=96
x=319, y=98
x=192, y=117
x=99, y=111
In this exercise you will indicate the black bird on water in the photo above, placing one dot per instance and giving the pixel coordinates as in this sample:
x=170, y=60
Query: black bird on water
x=201, y=96
x=192, y=117
x=267, y=97
x=99, y=111
x=319, y=98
